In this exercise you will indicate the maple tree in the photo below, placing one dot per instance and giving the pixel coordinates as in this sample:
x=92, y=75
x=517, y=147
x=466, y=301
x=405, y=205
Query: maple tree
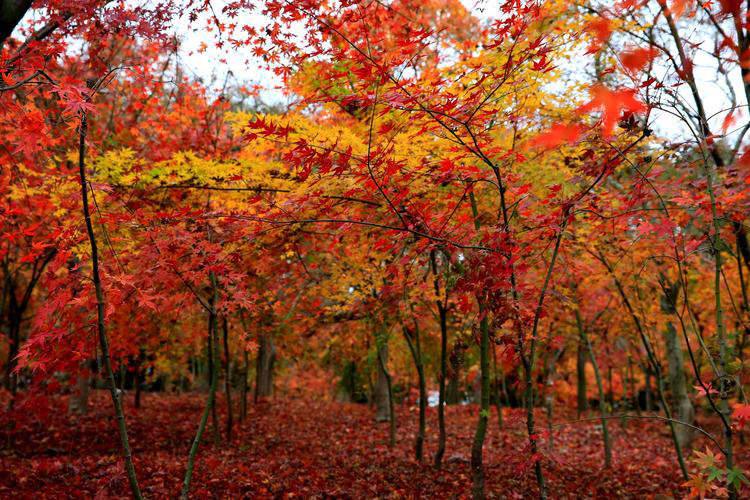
x=448, y=209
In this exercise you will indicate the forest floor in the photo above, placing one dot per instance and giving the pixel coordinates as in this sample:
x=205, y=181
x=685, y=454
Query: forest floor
x=297, y=448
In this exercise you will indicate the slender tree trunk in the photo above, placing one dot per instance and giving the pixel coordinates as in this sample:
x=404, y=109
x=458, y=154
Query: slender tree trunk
x=498, y=402
x=264, y=367
x=582, y=389
x=213, y=370
x=443, y=364
x=454, y=379
x=227, y=380
x=382, y=360
x=137, y=389
x=716, y=242
x=633, y=393
x=383, y=408
x=416, y=352
x=600, y=387
x=549, y=396
x=672, y=429
x=477, y=467
x=14, y=343
x=245, y=368
x=725, y=380
x=243, y=394
x=742, y=339
x=79, y=400
x=651, y=363
x=683, y=407
x=101, y=330
x=213, y=354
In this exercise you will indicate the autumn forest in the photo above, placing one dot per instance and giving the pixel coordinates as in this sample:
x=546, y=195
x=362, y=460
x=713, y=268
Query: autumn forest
x=374, y=249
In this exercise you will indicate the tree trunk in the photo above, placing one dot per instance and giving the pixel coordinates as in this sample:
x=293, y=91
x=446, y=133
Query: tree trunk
x=682, y=407
x=227, y=380
x=672, y=428
x=454, y=380
x=477, y=468
x=346, y=386
x=11, y=13
x=633, y=393
x=600, y=387
x=245, y=368
x=138, y=389
x=382, y=401
x=213, y=371
x=264, y=367
x=416, y=352
x=79, y=400
x=100, y=316
x=498, y=401
x=213, y=353
x=651, y=363
x=389, y=391
x=243, y=394
x=14, y=342
x=582, y=388
x=443, y=366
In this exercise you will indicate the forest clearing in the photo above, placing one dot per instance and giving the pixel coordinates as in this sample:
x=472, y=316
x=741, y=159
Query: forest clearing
x=374, y=249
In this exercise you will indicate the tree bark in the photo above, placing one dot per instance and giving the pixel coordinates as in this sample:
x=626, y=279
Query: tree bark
x=100, y=324
x=243, y=394
x=382, y=400
x=213, y=371
x=600, y=387
x=477, y=466
x=138, y=389
x=443, y=353
x=79, y=400
x=582, y=389
x=498, y=390
x=11, y=13
x=14, y=342
x=682, y=406
x=651, y=363
x=416, y=352
x=213, y=353
x=454, y=380
x=227, y=380
x=389, y=389
x=245, y=368
x=264, y=367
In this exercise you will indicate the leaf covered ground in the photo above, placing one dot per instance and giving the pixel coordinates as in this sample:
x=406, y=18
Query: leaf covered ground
x=299, y=448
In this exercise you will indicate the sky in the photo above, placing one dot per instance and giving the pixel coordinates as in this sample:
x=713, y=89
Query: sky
x=243, y=68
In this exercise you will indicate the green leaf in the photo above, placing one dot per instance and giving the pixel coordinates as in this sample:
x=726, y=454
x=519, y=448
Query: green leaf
x=735, y=477
x=714, y=473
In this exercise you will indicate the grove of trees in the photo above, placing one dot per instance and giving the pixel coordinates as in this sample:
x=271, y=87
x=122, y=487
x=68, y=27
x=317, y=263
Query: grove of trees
x=471, y=233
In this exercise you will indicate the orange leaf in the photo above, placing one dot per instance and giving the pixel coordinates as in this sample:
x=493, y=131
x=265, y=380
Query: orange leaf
x=637, y=58
x=612, y=103
x=558, y=134
x=678, y=7
x=601, y=30
x=730, y=119
x=741, y=413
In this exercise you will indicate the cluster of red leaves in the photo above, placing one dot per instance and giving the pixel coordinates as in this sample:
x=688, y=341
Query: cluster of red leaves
x=301, y=448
